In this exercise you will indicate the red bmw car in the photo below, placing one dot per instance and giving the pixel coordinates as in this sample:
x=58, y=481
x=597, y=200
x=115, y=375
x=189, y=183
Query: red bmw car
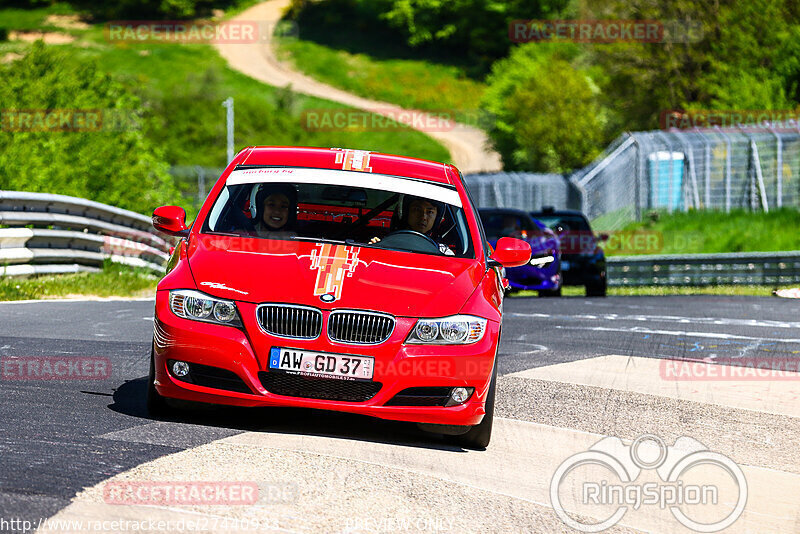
x=339, y=280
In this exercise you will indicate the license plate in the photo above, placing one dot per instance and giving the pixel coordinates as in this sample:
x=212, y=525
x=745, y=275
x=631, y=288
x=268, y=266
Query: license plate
x=564, y=265
x=321, y=364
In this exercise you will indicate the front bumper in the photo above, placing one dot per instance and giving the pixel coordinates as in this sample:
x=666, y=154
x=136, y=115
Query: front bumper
x=245, y=352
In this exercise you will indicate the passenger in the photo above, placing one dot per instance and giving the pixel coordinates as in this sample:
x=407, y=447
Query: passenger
x=420, y=215
x=276, y=211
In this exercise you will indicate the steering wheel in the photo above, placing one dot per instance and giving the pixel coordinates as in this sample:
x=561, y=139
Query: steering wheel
x=409, y=240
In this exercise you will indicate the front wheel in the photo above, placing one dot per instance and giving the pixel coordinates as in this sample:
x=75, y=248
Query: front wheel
x=478, y=436
x=597, y=289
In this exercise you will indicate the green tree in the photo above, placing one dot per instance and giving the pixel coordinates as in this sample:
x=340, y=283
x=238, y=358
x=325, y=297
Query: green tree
x=478, y=28
x=546, y=114
x=114, y=163
x=741, y=55
x=465, y=32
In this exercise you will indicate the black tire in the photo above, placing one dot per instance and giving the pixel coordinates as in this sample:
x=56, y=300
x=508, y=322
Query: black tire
x=550, y=292
x=478, y=437
x=597, y=289
x=157, y=405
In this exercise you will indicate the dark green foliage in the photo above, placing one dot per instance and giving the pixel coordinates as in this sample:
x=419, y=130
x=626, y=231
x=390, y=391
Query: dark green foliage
x=747, y=57
x=464, y=32
x=547, y=116
x=140, y=9
x=114, y=163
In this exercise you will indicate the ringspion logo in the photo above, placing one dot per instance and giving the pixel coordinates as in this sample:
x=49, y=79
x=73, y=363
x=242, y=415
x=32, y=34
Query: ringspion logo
x=704, y=490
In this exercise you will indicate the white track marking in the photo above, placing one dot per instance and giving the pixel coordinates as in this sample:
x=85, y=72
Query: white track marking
x=757, y=323
x=709, y=335
x=653, y=376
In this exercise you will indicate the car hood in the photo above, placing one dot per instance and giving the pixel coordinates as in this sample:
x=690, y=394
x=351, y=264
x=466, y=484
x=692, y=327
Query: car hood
x=399, y=283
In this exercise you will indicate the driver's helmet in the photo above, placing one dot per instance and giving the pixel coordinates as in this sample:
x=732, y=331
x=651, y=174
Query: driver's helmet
x=260, y=193
x=400, y=217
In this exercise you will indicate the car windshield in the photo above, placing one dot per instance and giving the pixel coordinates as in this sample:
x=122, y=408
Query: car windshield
x=497, y=225
x=561, y=223
x=342, y=206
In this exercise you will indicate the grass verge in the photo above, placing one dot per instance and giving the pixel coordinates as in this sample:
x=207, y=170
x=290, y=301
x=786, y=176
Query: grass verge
x=410, y=83
x=14, y=18
x=711, y=232
x=114, y=280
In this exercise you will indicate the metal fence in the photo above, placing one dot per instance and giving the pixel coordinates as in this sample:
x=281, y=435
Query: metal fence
x=48, y=234
x=764, y=268
x=698, y=169
x=662, y=170
x=522, y=190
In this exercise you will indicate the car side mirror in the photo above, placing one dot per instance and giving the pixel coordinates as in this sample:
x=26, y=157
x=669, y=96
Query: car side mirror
x=170, y=220
x=510, y=252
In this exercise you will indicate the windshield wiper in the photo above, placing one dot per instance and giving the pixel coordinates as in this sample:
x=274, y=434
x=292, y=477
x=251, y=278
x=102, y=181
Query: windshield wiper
x=353, y=242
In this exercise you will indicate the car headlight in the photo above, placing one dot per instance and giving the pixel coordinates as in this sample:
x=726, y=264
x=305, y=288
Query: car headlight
x=541, y=261
x=453, y=330
x=197, y=306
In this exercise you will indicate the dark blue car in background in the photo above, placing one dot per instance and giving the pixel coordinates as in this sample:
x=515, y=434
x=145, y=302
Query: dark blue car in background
x=583, y=261
x=543, y=272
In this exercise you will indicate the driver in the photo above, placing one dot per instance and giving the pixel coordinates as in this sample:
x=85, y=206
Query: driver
x=420, y=215
x=276, y=213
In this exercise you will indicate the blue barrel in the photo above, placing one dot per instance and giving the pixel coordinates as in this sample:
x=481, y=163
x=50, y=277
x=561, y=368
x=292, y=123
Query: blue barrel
x=665, y=170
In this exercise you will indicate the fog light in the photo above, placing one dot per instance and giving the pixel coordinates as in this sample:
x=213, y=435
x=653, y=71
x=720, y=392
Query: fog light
x=459, y=395
x=180, y=369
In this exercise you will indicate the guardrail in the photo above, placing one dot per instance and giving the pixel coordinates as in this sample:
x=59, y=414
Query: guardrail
x=47, y=234
x=763, y=268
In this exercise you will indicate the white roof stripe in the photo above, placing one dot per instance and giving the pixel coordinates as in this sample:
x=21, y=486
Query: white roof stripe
x=395, y=184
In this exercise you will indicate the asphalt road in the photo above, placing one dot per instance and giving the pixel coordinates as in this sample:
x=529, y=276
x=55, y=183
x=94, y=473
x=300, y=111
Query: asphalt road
x=59, y=437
